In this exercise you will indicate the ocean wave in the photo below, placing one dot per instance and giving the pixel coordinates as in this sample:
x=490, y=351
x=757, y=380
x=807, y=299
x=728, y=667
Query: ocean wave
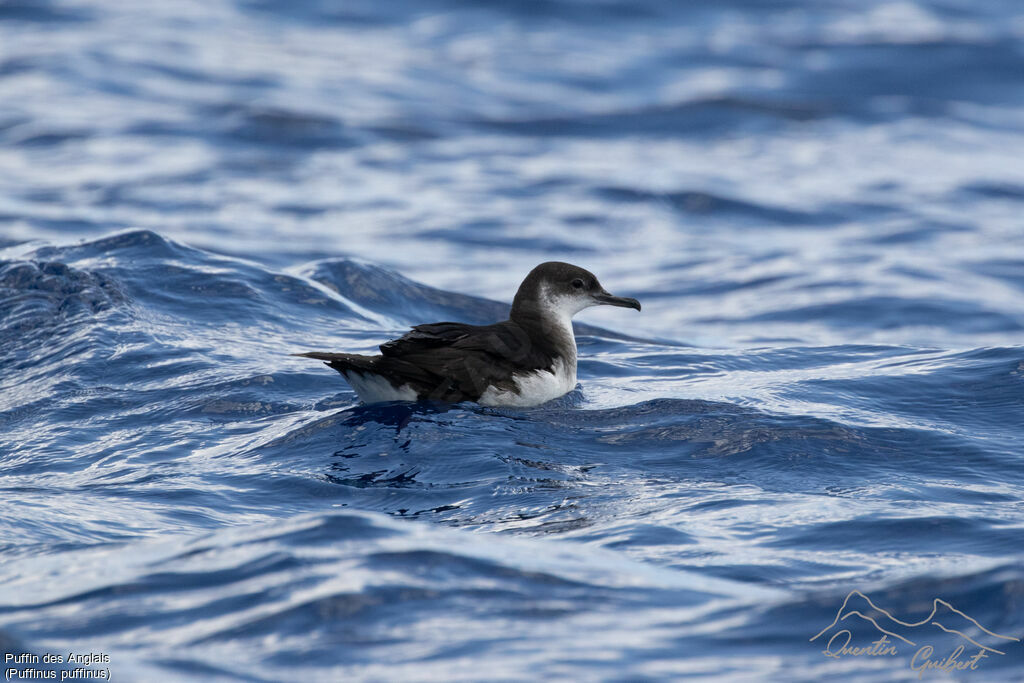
x=817, y=203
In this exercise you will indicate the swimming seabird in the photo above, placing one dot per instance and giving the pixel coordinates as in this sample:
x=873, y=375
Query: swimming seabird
x=524, y=361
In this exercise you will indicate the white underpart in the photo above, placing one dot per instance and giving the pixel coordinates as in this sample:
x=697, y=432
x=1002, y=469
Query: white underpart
x=540, y=386
x=374, y=388
x=535, y=387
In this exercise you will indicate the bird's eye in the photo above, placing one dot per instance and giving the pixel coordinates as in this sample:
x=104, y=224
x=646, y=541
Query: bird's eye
x=577, y=284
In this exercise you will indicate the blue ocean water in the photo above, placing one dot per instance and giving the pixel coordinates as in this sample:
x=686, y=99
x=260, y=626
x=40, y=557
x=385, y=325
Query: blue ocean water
x=818, y=203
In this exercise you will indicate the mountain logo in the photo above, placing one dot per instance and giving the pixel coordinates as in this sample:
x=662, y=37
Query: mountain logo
x=858, y=609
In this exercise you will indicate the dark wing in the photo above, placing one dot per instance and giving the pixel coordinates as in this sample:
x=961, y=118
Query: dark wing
x=455, y=362
x=423, y=337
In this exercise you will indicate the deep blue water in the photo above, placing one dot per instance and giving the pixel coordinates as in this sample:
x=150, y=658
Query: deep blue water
x=818, y=203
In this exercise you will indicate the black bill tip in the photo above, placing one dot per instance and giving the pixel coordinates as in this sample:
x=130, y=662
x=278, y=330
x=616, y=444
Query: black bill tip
x=623, y=301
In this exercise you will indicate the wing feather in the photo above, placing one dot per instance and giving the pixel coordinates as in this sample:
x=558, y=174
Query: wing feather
x=422, y=337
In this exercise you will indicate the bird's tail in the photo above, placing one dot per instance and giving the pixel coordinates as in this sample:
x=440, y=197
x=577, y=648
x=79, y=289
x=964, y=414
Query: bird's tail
x=343, y=362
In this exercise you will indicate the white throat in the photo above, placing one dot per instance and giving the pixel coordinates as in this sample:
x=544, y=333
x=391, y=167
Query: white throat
x=557, y=311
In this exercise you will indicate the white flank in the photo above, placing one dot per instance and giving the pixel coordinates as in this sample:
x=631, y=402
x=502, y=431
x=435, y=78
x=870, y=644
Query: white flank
x=375, y=389
x=534, y=388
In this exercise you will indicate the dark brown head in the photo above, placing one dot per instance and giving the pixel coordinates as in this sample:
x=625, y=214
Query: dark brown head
x=559, y=290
